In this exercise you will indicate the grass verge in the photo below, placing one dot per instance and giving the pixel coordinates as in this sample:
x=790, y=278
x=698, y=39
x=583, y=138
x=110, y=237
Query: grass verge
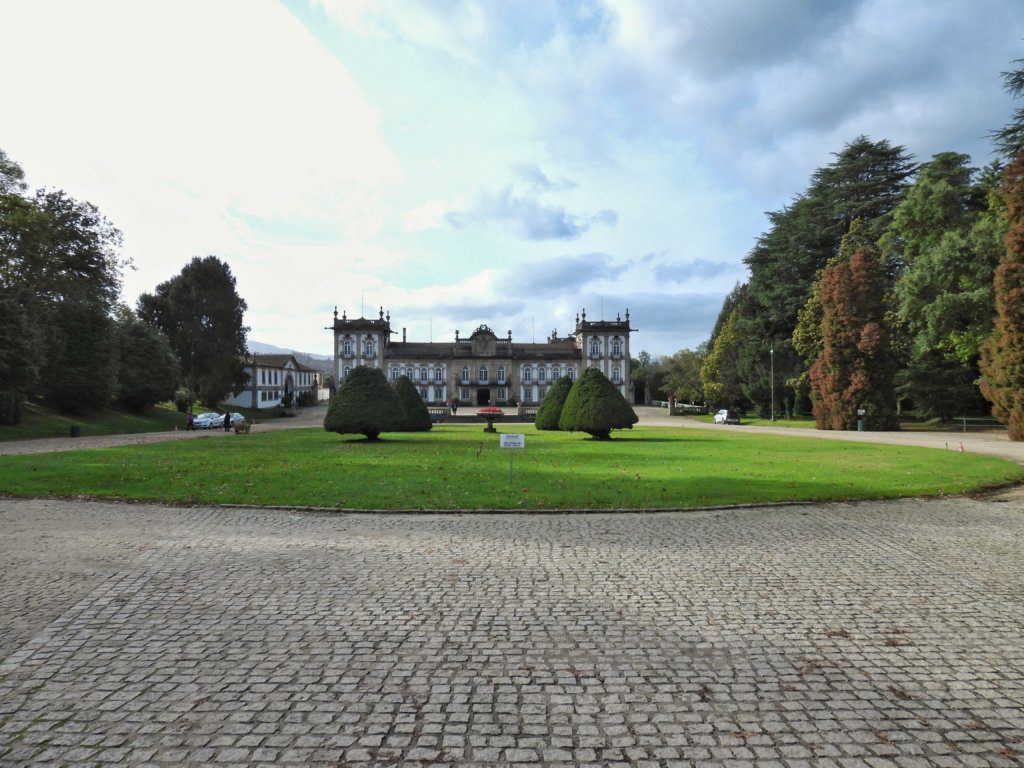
x=458, y=467
x=40, y=421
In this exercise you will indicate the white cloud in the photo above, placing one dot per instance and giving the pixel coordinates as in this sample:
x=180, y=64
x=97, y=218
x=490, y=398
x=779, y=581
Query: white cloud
x=174, y=119
x=429, y=215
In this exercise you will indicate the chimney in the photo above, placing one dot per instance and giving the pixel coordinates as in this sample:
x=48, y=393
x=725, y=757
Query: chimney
x=403, y=335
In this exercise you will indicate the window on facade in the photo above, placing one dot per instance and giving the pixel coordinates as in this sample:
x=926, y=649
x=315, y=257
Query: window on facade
x=394, y=374
x=346, y=348
x=501, y=374
x=571, y=373
x=527, y=374
x=368, y=349
x=541, y=375
x=465, y=375
x=439, y=374
x=423, y=374
x=595, y=349
x=616, y=348
x=483, y=374
x=503, y=393
x=346, y=373
x=615, y=373
x=464, y=393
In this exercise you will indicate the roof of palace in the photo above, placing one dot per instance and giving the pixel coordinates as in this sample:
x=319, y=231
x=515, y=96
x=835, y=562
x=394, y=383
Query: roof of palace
x=462, y=350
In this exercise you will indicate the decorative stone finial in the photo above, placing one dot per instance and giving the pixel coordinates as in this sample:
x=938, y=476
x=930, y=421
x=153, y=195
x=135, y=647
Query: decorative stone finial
x=388, y=316
x=627, y=314
x=343, y=315
x=618, y=317
x=335, y=311
x=456, y=334
x=584, y=315
x=382, y=313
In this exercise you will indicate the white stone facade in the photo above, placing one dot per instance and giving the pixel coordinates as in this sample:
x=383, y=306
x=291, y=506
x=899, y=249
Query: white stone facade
x=484, y=369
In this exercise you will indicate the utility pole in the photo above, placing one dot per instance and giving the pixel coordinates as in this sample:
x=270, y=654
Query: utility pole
x=771, y=352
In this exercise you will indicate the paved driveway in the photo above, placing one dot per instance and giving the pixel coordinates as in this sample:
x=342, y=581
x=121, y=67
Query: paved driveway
x=873, y=634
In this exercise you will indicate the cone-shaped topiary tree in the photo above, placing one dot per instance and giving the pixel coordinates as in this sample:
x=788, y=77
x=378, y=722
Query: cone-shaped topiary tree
x=550, y=410
x=595, y=406
x=416, y=417
x=366, y=404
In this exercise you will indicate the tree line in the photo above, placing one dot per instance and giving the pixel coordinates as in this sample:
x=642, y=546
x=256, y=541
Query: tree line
x=66, y=337
x=886, y=283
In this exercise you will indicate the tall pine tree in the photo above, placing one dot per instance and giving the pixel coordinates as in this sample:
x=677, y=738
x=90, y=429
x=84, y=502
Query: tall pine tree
x=1002, y=354
x=856, y=367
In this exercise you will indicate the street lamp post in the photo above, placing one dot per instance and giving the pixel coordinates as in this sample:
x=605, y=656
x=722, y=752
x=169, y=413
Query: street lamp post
x=771, y=352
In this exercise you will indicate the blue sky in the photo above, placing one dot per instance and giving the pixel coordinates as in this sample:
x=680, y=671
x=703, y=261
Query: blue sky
x=466, y=162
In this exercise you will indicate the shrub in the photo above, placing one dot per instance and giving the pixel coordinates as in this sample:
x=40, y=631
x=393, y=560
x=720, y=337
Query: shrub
x=364, y=405
x=10, y=408
x=595, y=406
x=305, y=398
x=148, y=372
x=550, y=410
x=415, y=416
x=182, y=401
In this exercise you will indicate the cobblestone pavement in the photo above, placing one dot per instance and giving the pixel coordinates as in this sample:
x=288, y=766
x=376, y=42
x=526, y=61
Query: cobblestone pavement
x=873, y=634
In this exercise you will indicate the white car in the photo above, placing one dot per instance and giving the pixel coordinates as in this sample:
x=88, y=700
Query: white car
x=208, y=420
x=236, y=418
x=726, y=416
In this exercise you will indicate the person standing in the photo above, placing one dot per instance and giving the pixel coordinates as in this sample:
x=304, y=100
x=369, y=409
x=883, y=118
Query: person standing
x=227, y=421
x=190, y=422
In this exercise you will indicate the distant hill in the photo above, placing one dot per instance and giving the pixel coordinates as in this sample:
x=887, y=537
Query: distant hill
x=319, y=362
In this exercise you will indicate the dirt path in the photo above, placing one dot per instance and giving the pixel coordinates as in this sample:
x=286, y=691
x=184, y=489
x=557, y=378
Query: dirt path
x=307, y=417
x=990, y=443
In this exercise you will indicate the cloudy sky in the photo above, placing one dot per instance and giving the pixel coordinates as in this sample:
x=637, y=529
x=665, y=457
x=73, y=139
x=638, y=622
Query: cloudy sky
x=463, y=162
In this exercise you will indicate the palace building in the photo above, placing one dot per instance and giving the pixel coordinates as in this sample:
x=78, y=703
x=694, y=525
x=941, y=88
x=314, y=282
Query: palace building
x=483, y=368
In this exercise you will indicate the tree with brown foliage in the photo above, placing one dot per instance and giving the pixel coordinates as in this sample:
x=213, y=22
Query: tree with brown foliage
x=856, y=367
x=1002, y=354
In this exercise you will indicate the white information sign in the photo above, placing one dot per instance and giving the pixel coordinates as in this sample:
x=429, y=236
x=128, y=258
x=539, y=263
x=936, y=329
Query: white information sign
x=513, y=441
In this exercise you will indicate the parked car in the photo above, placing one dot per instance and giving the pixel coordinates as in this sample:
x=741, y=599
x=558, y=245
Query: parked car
x=216, y=420
x=236, y=418
x=725, y=416
x=208, y=420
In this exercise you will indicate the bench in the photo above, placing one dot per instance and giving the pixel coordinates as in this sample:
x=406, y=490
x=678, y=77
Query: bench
x=242, y=429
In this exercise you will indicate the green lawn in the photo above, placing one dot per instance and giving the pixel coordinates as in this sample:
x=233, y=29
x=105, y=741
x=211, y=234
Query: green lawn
x=459, y=467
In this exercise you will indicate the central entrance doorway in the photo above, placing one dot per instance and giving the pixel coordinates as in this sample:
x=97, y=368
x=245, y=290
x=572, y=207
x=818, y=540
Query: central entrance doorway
x=483, y=396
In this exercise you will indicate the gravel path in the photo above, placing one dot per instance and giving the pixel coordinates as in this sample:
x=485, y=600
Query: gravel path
x=994, y=443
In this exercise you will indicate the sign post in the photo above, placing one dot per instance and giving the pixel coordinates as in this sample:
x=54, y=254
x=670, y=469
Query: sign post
x=514, y=442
